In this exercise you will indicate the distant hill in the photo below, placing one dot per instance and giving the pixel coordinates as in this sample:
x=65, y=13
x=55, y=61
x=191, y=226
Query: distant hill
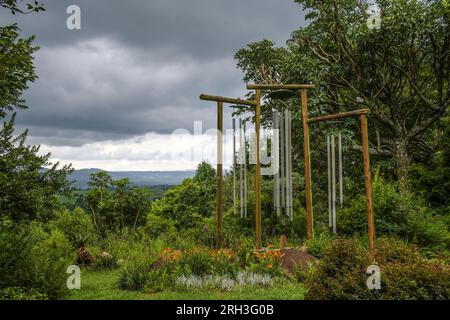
x=139, y=178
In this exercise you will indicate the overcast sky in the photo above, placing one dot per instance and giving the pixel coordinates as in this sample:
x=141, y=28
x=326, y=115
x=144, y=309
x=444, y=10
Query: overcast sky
x=110, y=95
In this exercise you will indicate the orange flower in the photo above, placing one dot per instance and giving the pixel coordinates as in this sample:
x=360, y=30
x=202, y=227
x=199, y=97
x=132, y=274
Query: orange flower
x=270, y=266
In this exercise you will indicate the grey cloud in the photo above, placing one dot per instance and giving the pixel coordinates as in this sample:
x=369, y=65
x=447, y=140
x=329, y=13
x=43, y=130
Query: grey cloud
x=139, y=66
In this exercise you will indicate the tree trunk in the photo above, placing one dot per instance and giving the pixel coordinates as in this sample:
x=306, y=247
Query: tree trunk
x=402, y=161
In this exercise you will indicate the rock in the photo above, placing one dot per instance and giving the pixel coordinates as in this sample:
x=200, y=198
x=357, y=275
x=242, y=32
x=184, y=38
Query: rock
x=295, y=258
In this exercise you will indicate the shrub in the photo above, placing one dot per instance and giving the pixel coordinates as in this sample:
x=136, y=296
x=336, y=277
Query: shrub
x=341, y=273
x=157, y=226
x=51, y=257
x=138, y=263
x=135, y=272
x=196, y=261
x=400, y=214
x=19, y=293
x=77, y=226
x=391, y=209
x=225, y=283
x=320, y=243
x=32, y=258
x=427, y=230
x=104, y=261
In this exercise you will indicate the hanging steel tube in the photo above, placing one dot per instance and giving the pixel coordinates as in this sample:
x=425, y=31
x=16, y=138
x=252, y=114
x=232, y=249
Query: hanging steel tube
x=282, y=168
x=333, y=180
x=245, y=169
x=241, y=171
x=234, y=166
x=290, y=168
x=341, y=182
x=276, y=162
x=286, y=151
x=330, y=201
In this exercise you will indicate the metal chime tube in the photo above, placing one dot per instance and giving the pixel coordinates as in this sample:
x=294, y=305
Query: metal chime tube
x=290, y=168
x=234, y=165
x=276, y=162
x=286, y=151
x=330, y=206
x=333, y=179
x=341, y=182
x=282, y=167
x=245, y=169
x=241, y=170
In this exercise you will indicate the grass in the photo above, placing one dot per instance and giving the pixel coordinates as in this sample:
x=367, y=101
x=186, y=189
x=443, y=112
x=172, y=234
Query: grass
x=102, y=285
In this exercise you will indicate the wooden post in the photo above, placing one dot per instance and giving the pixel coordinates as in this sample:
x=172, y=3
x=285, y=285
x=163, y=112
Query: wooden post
x=258, y=171
x=219, y=208
x=309, y=209
x=368, y=181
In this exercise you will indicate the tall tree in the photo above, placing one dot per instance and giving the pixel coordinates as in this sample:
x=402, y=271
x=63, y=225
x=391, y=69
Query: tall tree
x=400, y=71
x=27, y=190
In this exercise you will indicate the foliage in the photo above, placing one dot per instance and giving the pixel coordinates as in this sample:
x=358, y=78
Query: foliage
x=77, y=226
x=30, y=257
x=116, y=205
x=15, y=6
x=398, y=70
x=319, y=244
x=27, y=190
x=224, y=283
x=391, y=209
x=428, y=230
x=401, y=214
x=16, y=68
x=431, y=179
x=267, y=262
x=18, y=293
x=190, y=202
x=341, y=273
x=157, y=226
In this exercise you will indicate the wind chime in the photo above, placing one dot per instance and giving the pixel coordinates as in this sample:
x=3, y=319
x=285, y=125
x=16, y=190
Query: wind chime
x=331, y=159
x=240, y=163
x=282, y=162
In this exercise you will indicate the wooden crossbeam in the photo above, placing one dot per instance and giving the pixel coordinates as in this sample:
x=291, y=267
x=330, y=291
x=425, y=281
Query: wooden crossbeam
x=207, y=97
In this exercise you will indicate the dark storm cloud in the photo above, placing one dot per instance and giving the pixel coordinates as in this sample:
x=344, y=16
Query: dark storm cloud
x=139, y=66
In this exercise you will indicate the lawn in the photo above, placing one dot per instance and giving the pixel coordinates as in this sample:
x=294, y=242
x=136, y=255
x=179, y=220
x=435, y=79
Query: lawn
x=102, y=285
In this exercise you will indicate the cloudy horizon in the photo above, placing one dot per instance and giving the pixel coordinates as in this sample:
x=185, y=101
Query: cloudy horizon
x=110, y=95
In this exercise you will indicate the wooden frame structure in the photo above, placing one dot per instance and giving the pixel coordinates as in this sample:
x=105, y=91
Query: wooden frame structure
x=303, y=89
x=219, y=171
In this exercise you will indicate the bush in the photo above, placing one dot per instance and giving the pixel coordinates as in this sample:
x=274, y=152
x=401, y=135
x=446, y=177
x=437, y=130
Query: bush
x=400, y=214
x=391, y=209
x=77, y=226
x=196, y=261
x=320, y=243
x=157, y=226
x=341, y=273
x=104, y=261
x=137, y=265
x=18, y=293
x=427, y=230
x=32, y=258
